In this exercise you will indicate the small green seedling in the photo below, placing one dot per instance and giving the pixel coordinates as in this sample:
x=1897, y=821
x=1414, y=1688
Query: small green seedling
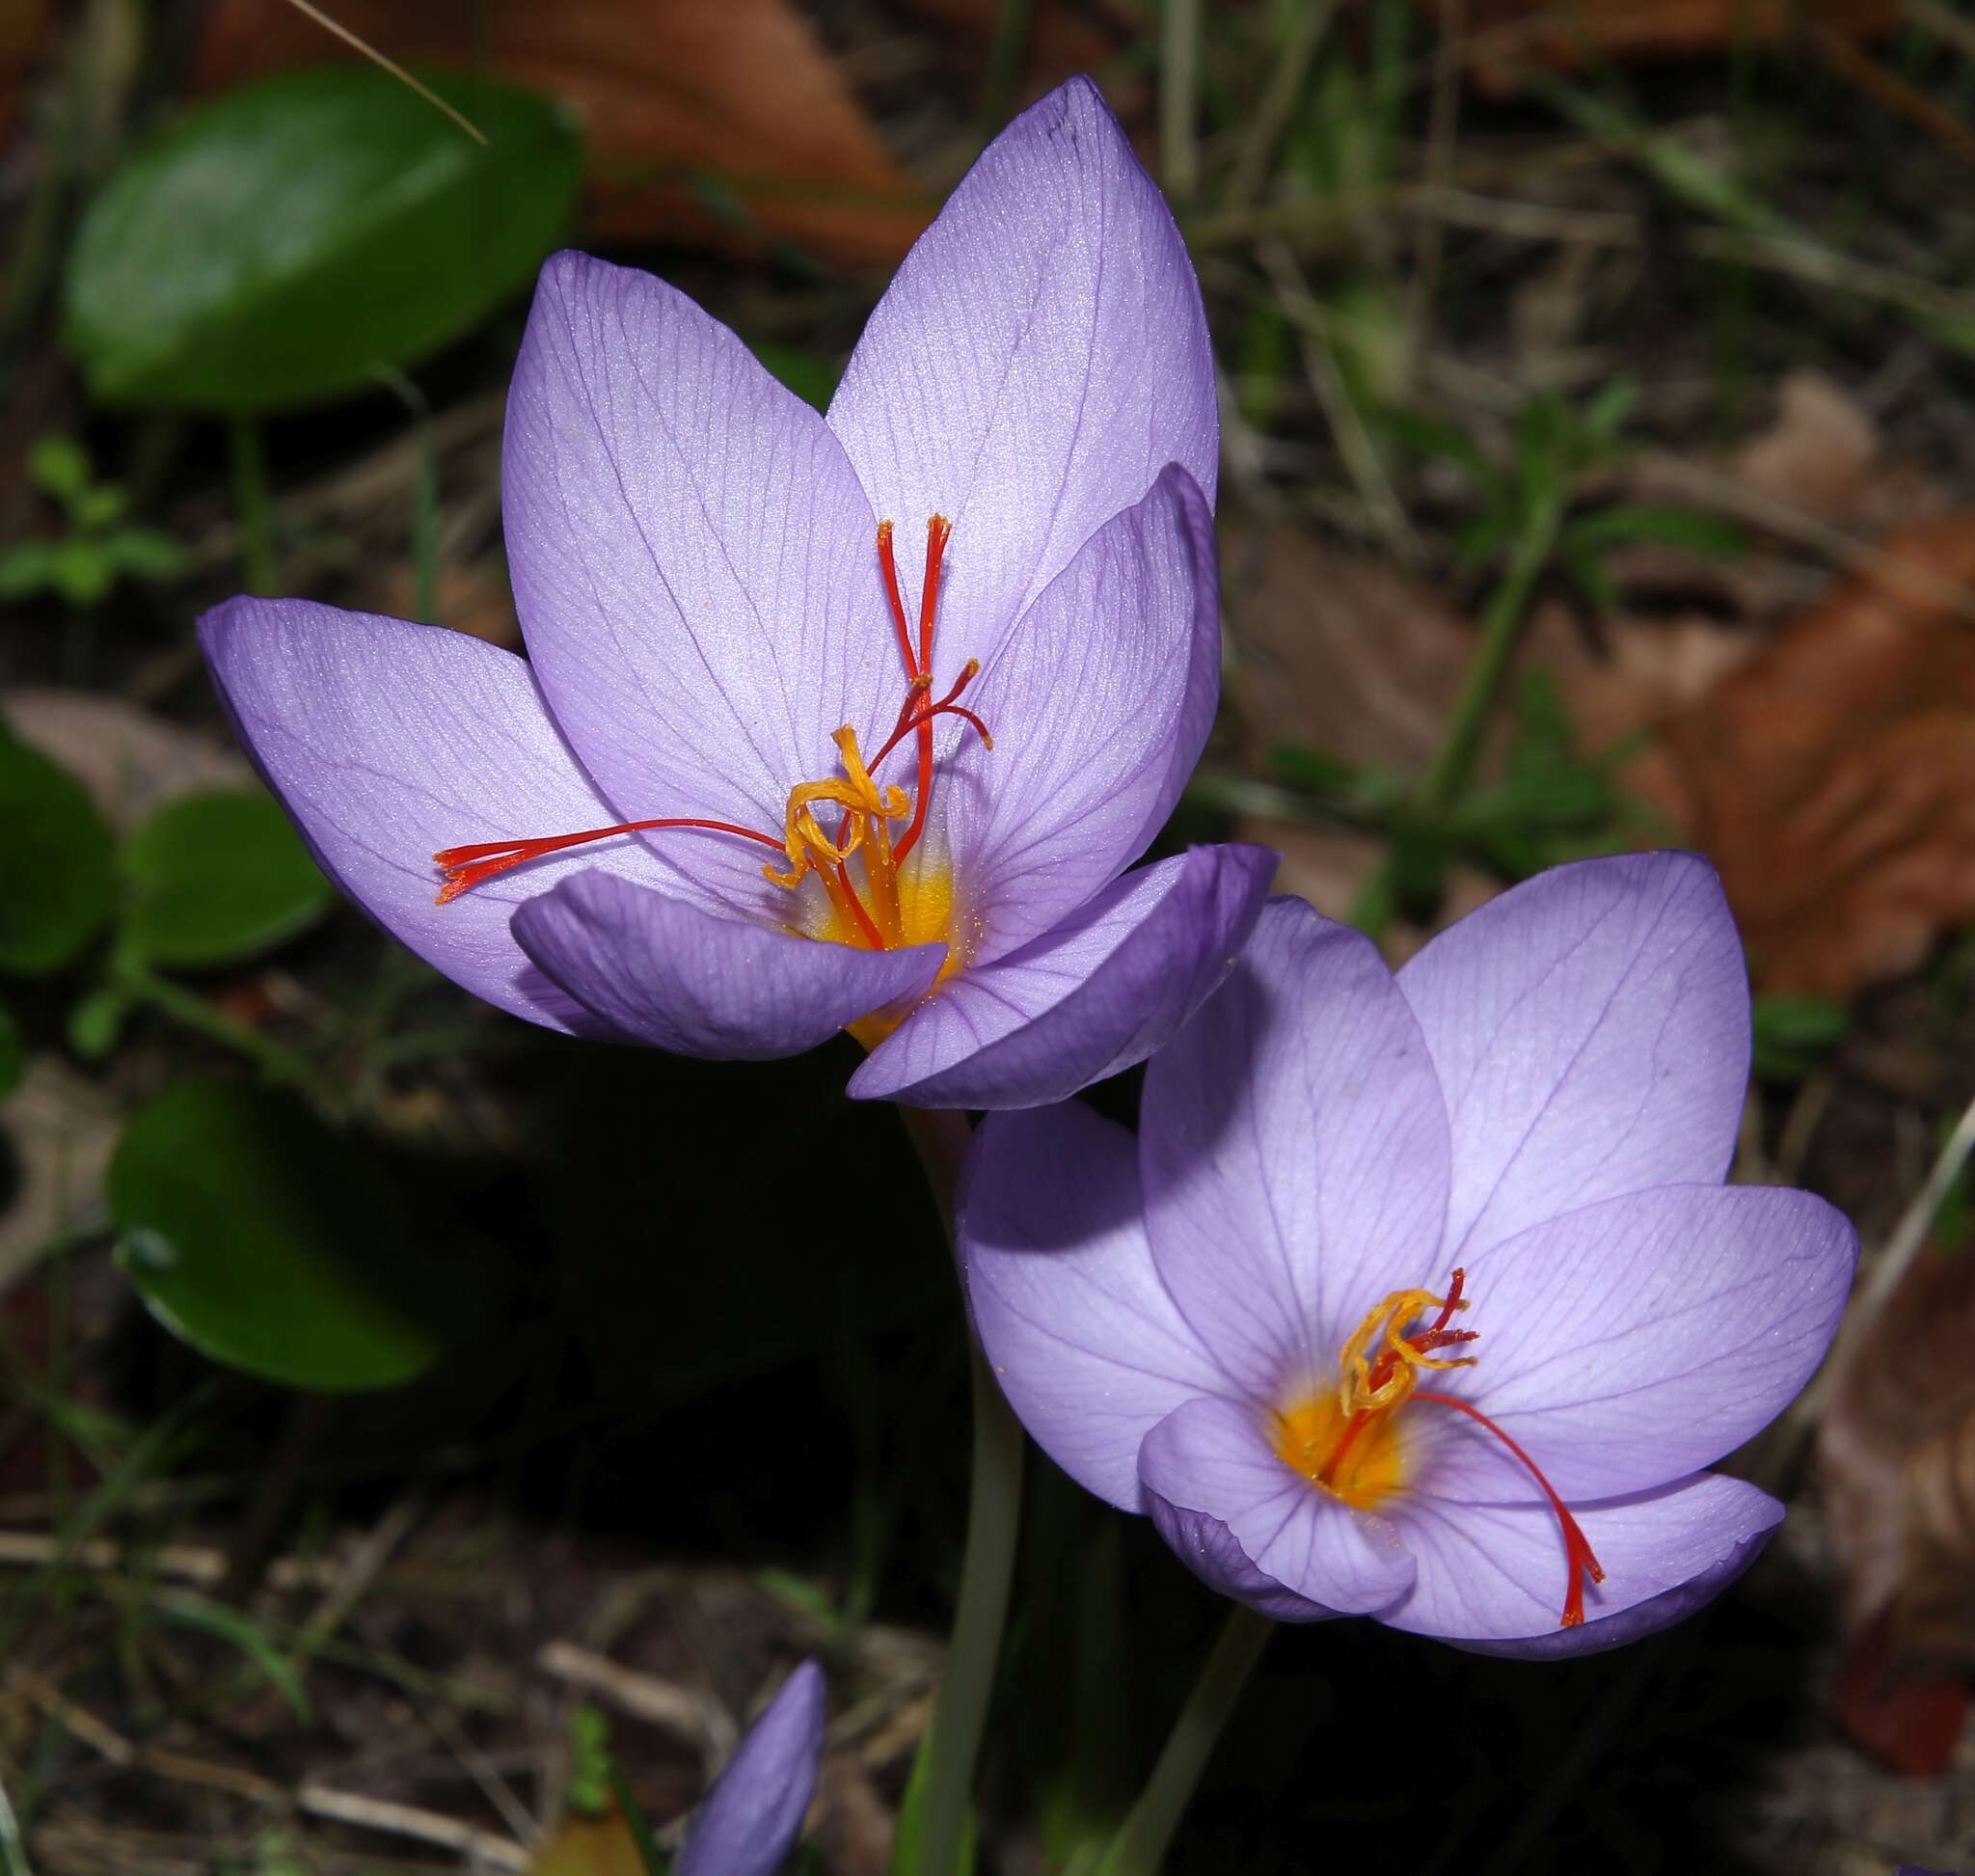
x=97, y=547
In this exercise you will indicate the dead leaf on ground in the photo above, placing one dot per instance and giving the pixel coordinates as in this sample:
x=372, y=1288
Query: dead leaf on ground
x=1817, y=451
x=740, y=93
x=1567, y=34
x=1896, y=1453
x=59, y=1131
x=1344, y=654
x=1815, y=476
x=1831, y=778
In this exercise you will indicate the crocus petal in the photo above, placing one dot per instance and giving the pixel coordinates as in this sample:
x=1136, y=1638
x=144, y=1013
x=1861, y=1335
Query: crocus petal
x=750, y=1817
x=1590, y=1030
x=1294, y=1153
x=1041, y=356
x=1210, y=1455
x=1638, y=1340
x=1099, y=702
x=1207, y=1548
x=1492, y=1576
x=693, y=560
x=701, y=984
x=1099, y=993
x=386, y=741
x=1081, y=1335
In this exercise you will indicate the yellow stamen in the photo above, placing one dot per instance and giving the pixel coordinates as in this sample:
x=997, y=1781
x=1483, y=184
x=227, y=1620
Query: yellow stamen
x=1363, y=1388
x=868, y=806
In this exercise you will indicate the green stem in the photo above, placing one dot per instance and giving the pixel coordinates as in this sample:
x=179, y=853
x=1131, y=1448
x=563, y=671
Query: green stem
x=1140, y=1846
x=945, y=1776
x=960, y=1716
x=1501, y=627
x=251, y=505
x=191, y=1011
x=424, y=496
x=1005, y=55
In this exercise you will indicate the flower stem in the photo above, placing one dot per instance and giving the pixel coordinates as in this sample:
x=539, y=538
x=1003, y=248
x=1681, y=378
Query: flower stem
x=1501, y=627
x=251, y=505
x=1140, y=1846
x=191, y=1011
x=932, y=1841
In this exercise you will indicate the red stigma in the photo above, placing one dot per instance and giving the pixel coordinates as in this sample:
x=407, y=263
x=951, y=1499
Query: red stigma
x=465, y=867
x=860, y=825
x=919, y=669
x=1579, y=1560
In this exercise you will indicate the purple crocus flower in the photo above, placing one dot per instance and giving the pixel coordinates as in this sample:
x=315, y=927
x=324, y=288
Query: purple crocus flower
x=750, y=1817
x=767, y=650
x=1421, y=1296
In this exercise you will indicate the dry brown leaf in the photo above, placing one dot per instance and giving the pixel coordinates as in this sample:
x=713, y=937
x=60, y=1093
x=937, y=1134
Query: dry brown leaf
x=1565, y=35
x=1896, y=1456
x=1832, y=776
x=740, y=91
x=1817, y=451
x=1345, y=655
x=60, y=1131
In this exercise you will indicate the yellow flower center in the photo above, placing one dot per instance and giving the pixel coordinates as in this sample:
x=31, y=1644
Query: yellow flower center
x=1346, y=1440
x=898, y=905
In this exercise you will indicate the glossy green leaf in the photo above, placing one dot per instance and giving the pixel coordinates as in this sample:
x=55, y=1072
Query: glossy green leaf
x=271, y=1243
x=13, y=1055
x=213, y=879
x=279, y=246
x=58, y=881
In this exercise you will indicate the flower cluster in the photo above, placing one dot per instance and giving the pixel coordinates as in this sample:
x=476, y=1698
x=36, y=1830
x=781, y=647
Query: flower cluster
x=1416, y=1296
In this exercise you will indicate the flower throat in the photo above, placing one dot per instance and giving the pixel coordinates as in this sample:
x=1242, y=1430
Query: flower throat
x=892, y=910
x=1346, y=1440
